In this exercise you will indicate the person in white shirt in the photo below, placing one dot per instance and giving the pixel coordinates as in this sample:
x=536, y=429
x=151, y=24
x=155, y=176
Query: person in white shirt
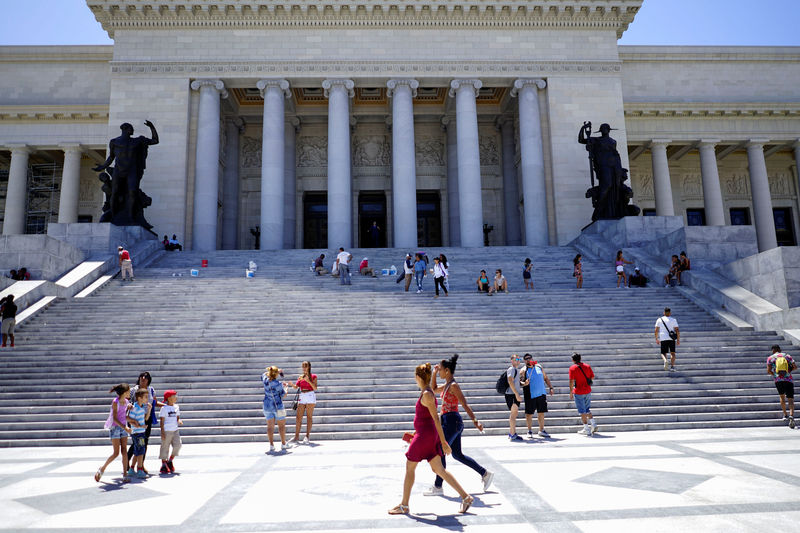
x=500, y=283
x=170, y=417
x=439, y=275
x=669, y=336
x=343, y=265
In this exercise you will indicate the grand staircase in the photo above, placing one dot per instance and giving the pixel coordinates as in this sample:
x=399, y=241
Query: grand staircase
x=210, y=337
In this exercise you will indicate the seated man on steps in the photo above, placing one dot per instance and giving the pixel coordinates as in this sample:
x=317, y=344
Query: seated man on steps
x=365, y=269
x=637, y=279
x=319, y=268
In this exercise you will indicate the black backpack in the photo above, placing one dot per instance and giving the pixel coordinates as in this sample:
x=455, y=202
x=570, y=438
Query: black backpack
x=502, y=382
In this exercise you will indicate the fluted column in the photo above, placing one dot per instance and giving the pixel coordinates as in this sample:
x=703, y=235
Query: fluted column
x=454, y=221
x=230, y=185
x=712, y=190
x=510, y=190
x=70, y=184
x=206, y=180
x=762, y=200
x=274, y=92
x=404, y=167
x=534, y=191
x=662, y=184
x=469, y=163
x=291, y=127
x=340, y=202
x=17, y=192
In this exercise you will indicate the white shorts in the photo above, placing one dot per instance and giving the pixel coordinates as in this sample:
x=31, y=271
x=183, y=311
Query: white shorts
x=309, y=397
x=620, y=269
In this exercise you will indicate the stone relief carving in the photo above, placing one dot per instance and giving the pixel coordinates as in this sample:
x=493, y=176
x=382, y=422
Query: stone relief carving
x=735, y=185
x=371, y=151
x=312, y=152
x=779, y=185
x=251, y=152
x=644, y=186
x=430, y=151
x=488, y=147
x=692, y=185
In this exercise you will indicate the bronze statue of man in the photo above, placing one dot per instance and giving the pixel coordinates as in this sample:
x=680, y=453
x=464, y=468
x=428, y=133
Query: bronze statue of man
x=129, y=154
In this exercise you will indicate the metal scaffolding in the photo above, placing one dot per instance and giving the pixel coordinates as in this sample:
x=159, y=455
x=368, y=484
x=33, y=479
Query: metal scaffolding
x=43, y=185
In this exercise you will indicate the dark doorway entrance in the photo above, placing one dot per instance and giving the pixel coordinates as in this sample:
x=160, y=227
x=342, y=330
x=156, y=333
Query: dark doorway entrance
x=784, y=226
x=429, y=219
x=371, y=208
x=315, y=220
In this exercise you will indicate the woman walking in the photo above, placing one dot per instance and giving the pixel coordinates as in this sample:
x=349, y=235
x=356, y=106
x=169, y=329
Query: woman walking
x=443, y=260
x=428, y=443
x=439, y=275
x=117, y=426
x=577, y=271
x=307, y=383
x=273, y=406
x=619, y=266
x=419, y=271
x=144, y=383
x=527, y=277
x=453, y=424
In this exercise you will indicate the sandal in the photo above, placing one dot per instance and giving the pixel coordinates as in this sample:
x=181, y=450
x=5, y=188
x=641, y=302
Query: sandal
x=466, y=503
x=98, y=475
x=399, y=509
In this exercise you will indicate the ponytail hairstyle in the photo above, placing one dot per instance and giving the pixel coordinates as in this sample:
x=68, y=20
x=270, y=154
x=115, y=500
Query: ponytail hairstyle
x=424, y=372
x=577, y=259
x=450, y=364
x=120, y=389
x=272, y=372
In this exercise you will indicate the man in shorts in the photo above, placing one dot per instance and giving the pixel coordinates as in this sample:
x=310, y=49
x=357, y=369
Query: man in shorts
x=664, y=326
x=580, y=391
x=514, y=396
x=8, y=311
x=780, y=367
x=535, y=394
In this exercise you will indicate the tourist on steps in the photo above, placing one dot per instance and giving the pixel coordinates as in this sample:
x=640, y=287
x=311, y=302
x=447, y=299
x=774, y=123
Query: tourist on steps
x=419, y=271
x=118, y=430
x=683, y=265
x=143, y=383
x=513, y=396
x=483, y=282
x=619, y=266
x=446, y=265
x=170, y=420
x=365, y=270
x=453, y=424
x=637, y=279
x=138, y=415
x=307, y=383
x=125, y=264
x=274, y=412
x=439, y=275
x=8, y=313
x=577, y=271
x=428, y=443
x=668, y=336
x=527, y=276
x=408, y=271
x=780, y=366
x=580, y=390
x=343, y=266
x=319, y=267
x=533, y=382
x=672, y=273
x=499, y=283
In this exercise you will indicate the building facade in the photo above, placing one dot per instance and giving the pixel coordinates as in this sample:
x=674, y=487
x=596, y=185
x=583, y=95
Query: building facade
x=437, y=119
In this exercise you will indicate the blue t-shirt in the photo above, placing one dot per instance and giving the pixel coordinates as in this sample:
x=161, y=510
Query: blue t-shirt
x=419, y=266
x=273, y=393
x=137, y=413
x=536, y=376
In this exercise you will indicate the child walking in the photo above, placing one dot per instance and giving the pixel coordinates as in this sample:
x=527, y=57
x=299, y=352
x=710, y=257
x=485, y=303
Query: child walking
x=170, y=417
x=138, y=414
x=118, y=430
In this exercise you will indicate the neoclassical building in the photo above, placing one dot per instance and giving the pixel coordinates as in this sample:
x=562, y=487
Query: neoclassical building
x=437, y=119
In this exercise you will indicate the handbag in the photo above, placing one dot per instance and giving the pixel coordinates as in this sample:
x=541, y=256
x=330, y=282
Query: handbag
x=589, y=381
x=672, y=334
x=296, y=399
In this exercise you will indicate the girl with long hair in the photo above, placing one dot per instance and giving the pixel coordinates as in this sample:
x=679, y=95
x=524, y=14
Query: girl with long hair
x=117, y=426
x=619, y=266
x=307, y=383
x=577, y=271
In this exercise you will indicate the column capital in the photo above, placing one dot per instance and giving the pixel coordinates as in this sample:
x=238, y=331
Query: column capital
x=277, y=83
x=458, y=83
x=504, y=121
x=756, y=143
x=71, y=147
x=294, y=122
x=705, y=143
x=331, y=83
x=521, y=83
x=660, y=142
x=238, y=122
x=213, y=83
x=446, y=121
x=19, y=149
x=394, y=82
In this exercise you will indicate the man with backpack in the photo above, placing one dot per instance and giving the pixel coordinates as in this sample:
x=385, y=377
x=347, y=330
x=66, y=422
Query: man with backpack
x=581, y=378
x=780, y=367
x=669, y=336
x=509, y=384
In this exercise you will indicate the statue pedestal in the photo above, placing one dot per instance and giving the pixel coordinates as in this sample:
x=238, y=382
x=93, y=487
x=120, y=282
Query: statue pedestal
x=98, y=238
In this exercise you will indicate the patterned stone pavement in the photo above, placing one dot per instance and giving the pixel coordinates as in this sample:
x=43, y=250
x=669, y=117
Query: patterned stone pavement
x=693, y=480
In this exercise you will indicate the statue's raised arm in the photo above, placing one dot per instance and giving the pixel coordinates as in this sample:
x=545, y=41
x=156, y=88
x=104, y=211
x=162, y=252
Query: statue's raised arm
x=153, y=132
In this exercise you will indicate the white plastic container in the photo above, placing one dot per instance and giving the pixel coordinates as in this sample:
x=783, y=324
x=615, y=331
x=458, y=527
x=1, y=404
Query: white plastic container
x=194, y=272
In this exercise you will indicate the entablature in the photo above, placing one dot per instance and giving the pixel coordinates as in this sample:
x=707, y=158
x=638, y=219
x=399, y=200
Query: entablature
x=712, y=110
x=54, y=113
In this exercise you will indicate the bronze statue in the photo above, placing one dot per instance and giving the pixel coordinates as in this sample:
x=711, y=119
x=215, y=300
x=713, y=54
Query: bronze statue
x=610, y=196
x=125, y=202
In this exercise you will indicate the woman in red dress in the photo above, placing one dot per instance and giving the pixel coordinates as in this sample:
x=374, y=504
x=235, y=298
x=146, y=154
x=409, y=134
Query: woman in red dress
x=428, y=443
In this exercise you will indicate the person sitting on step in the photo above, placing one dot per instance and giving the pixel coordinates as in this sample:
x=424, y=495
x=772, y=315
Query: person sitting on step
x=483, y=282
x=365, y=269
x=499, y=283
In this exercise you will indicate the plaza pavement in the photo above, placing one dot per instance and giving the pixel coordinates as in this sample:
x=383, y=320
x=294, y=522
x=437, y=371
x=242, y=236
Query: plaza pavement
x=707, y=480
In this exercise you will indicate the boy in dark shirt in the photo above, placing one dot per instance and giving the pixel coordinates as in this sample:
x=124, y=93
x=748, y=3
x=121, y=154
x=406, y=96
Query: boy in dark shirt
x=8, y=311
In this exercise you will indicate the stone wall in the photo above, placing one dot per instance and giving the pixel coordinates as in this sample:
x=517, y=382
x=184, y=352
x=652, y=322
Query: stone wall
x=44, y=256
x=774, y=275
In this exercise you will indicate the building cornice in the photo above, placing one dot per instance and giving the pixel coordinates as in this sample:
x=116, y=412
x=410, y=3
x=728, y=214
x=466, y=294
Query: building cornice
x=54, y=113
x=709, y=53
x=711, y=110
x=198, y=14
x=29, y=54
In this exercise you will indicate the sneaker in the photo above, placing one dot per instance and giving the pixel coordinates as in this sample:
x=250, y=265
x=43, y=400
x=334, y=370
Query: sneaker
x=466, y=503
x=287, y=445
x=305, y=440
x=594, y=427
x=544, y=434
x=271, y=448
x=125, y=478
x=433, y=491
x=487, y=479
x=515, y=438
x=791, y=422
x=141, y=474
x=530, y=434
x=171, y=467
x=666, y=365
x=419, y=291
x=672, y=368
x=584, y=431
x=785, y=418
x=164, y=469
x=131, y=472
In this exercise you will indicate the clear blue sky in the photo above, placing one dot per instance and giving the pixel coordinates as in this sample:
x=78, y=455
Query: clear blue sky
x=660, y=22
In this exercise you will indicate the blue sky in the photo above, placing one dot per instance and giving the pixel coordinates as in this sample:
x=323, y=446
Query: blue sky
x=660, y=22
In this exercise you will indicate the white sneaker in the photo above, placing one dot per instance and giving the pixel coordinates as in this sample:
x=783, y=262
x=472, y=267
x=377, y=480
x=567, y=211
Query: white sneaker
x=433, y=491
x=530, y=434
x=666, y=365
x=287, y=445
x=594, y=427
x=271, y=448
x=305, y=440
x=544, y=434
x=585, y=431
x=487, y=478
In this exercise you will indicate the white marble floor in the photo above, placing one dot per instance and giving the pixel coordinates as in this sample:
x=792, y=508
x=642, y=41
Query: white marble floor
x=695, y=480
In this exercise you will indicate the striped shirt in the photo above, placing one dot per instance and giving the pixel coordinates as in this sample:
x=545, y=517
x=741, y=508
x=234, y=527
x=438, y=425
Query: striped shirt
x=137, y=413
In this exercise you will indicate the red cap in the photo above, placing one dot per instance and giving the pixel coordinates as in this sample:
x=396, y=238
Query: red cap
x=169, y=393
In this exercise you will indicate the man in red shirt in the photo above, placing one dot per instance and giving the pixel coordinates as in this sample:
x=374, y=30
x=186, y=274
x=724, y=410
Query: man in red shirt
x=125, y=265
x=580, y=390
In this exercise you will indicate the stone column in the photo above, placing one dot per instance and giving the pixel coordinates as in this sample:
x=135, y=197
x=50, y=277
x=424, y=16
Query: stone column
x=291, y=128
x=206, y=180
x=70, y=184
x=762, y=199
x=796, y=147
x=510, y=190
x=273, y=138
x=404, y=167
x=340, y=201
x=662, y=185
x=230, y=185
x=534, y=192
x=712, y=190
x=469, y=163
x=17, y=192
x=454, y=221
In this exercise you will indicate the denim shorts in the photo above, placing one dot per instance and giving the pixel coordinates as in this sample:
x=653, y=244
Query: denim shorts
x=280, y=414
x=139, y=445
x=116, y=432
x=583, y=402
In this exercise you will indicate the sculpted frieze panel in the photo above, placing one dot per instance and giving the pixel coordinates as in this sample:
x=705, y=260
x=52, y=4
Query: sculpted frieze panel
x=488, y=149
x=780, y=185
x=430, y=151
x=312, y=151
x=736, y=185
x=691, y=186
x=644, y=186
x=251, y=152
x=371, y=151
